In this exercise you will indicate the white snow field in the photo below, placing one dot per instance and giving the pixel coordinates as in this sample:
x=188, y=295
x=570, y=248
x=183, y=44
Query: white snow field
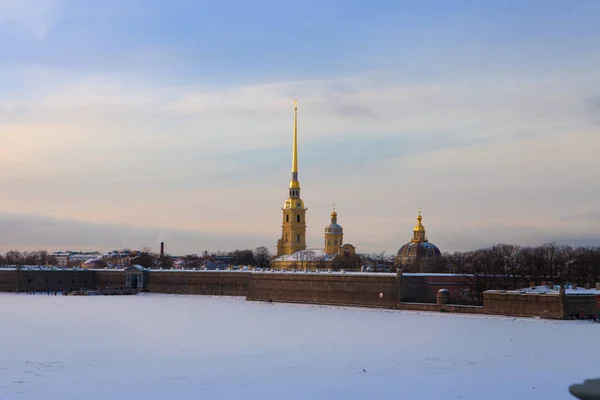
x=199, y=347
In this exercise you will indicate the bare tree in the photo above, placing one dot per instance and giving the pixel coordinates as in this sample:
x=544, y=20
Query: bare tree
x=262, y=257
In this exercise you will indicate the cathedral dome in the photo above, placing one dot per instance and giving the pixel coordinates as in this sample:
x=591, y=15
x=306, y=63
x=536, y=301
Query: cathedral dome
x=419, y=246
x=419, y=249
x=334, y=228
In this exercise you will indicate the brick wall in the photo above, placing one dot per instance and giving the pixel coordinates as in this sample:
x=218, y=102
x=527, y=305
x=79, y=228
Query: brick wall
x=580, y=304
x=198, y=282
x=8, y=280
x=450, y=308
x=350, y=289
x=41, y=281
x=538, y=305
x=421, y=288
x=112, y=279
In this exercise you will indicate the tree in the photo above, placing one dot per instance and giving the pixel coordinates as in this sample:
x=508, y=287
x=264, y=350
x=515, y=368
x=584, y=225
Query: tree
x=165, y=261
x=192, y=261
x=242, y=257
x=262, y=257
x=14, y=257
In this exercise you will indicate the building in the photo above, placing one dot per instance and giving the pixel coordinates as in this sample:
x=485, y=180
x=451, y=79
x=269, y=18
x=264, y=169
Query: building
x=68, y=258
x=293, y=228
x=420, y=255
x=291, y=247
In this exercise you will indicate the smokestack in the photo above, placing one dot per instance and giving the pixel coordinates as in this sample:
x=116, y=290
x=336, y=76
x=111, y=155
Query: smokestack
x=162, y=249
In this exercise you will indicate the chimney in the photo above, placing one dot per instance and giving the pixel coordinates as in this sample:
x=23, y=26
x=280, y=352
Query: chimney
x=162, y=249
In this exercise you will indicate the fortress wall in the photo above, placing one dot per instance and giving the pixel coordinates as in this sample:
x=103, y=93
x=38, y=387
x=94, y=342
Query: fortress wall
x=54, y=281
x=198, y=282
x=581, y=304
x=111, y=279
x=538, y=305
x=354, y=290
x=8, y=280
x=543, y=305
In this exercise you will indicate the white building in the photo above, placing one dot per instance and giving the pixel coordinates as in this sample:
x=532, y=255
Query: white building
x=77, y=257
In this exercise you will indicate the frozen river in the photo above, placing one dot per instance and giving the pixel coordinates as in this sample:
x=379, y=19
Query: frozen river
x=195, y=347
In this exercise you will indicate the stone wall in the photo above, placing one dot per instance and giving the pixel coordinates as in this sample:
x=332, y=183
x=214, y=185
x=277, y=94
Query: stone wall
x=450, y=308
x=8, y=280
x=334, y=289
x=54, y=281
x=538, y=305
x=580, y=304
x=198, y=282
x=351, y=289
x=110, y=279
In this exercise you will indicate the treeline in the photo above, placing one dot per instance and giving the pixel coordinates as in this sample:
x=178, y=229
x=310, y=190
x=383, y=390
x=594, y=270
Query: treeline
x=37, y=257
x=509, y=267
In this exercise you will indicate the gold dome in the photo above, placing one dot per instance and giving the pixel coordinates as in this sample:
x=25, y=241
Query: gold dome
x=419, y=227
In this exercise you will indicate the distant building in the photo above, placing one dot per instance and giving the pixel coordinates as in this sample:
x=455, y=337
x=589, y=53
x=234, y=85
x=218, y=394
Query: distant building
x=291, y=247
x=65, y=258
x=420, y=255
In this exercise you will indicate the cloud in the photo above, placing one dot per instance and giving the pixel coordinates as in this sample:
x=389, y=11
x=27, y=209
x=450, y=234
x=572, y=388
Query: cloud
x=37, y=17
x=126, y=150
x=30, y=231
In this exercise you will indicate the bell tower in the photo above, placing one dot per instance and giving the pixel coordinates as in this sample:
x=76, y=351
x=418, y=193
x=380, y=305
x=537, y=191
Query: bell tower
x=293, y=228
x=334, y=235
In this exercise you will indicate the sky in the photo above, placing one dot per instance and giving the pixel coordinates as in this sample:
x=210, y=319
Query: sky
x=128, y=123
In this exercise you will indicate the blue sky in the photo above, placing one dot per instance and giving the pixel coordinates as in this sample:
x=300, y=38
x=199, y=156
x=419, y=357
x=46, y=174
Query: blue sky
x=172, y=119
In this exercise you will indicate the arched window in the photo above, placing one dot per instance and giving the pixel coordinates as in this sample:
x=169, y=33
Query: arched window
x=297, y=238
x=287, y=218
x=298, y=218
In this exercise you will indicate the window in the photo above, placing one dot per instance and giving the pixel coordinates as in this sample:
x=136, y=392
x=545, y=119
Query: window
x=335, y=242
x=297, y=238
x=297, y=218
x=287, y=218
x=286, y=237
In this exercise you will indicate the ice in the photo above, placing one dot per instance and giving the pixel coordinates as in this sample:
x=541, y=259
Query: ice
x=202, y=347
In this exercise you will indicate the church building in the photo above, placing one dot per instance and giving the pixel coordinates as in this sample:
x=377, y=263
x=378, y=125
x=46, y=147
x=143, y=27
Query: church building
x=291, y=247
x=420, y=255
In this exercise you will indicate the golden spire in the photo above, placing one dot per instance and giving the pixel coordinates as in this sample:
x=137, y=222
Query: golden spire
x=333, y=213
x=295, y=155
x=294, y=184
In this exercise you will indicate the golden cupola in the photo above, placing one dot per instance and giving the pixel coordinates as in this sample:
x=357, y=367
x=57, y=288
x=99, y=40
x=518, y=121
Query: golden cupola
x=419, y=231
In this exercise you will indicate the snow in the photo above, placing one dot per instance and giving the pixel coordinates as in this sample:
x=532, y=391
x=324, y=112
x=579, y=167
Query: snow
x=200, y=347
x=306, y=255
x=543, y=289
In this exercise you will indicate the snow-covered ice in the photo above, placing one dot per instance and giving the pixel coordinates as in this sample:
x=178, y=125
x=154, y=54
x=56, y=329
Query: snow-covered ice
x=194, y=347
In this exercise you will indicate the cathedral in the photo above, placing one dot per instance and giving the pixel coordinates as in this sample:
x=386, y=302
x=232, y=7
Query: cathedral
x=419, y=255
x=291, y=247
